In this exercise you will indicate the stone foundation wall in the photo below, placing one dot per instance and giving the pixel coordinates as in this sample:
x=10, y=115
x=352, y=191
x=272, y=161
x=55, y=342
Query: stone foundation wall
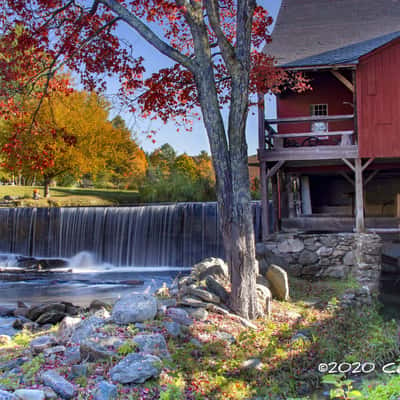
x=336, y=255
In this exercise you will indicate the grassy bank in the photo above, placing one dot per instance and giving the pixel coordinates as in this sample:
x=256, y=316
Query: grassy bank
x=64, y=197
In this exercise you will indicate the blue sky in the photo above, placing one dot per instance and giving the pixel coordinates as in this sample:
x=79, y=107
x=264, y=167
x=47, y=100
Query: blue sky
x=184, y=142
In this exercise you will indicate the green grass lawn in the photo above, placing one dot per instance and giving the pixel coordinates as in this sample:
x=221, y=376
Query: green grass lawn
x=64, y=196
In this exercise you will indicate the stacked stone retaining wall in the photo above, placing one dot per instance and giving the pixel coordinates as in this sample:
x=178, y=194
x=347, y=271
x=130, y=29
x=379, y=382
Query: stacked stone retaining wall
x=336, y=255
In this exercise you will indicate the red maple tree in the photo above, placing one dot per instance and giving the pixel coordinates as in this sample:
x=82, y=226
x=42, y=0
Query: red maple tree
x=215, y=45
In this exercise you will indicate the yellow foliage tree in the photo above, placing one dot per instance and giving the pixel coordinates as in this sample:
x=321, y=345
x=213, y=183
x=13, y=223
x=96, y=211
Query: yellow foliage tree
x=71, y=134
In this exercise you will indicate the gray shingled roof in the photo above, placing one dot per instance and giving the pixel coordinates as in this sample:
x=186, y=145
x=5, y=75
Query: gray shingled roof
x=308, y=27
x=344, y=55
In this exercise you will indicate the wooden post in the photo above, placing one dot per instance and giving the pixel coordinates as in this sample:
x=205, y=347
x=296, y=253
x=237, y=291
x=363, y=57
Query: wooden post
x=360, y=227
x=354, y=77
x=275, y=206
x=261, y=122
x=264, y=201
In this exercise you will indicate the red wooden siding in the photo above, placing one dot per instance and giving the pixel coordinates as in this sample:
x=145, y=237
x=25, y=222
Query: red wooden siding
x=326, y=89
x=378, y=98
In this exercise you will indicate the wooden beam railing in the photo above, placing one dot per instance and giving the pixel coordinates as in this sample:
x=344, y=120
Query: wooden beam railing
x=271, y=134
x=323, y=118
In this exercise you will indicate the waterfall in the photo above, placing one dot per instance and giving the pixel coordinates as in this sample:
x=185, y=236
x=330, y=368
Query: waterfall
x=153, y=235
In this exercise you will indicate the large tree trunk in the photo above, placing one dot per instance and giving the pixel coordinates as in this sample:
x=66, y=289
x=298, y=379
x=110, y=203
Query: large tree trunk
x=233, y=194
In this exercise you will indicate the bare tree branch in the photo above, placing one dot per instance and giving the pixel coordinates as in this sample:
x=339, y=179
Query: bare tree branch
x=227, y=49
x=148, y=34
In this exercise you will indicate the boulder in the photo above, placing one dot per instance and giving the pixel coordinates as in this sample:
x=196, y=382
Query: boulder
x=154, y=344
x=203, y=294
x=59, y=384
x=98, y=305
x=192, y=301
x=215, y=267
x=105, y=391
x=36, y=311
x=215, y=287
x=86, y=328
x=6, y=311
x=325, y=251
x=200, y=314
x=173, y=328
x=136, y=368
x=93, y=351
x=41, y=343
x=264, y=299
x=278, y=279
x=53, y=350
x=134, y=308
x=349, y=258
x=4, y=395
x=67, y=328
x=179, y=315
x=29, y=394
x=50, y=317
x=72, y=355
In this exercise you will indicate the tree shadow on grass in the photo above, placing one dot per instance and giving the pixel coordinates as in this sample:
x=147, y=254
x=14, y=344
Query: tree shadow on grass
x=289, y=348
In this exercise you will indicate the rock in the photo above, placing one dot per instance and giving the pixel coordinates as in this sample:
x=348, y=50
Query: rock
x=96, y=305
x=211, y=267
x=225, y=336
x=299, y=336
x=154, y=344
x=173, y=328
x=92, y=351
x=105, y=391
x=18, y=324
x=278, y=279
x=260, y=280
x=349, y=258
x=163, y=304
x=72, y=355
x=308, y=258
x=30, y=394
x=50, y=394
x=179, y=315
x=6, y=327
x=102, y=313
x=134, y=308
x=86, y=328
x=265, y=299
x=136, y=368
x=336, y=271
x=6, y=311
x=53, y=350
x=36, y=311
x=20, y=312
x=252, y=363
x=78, y=370
x=291, y=246
x=325, y=251
x=199, y=314
x=59, y=384
x=67, y=328
x=41, y=343
x=203, y=294
x=215, y=287
x=4, y=395
x=50, y=317
x=192, y=302
x=4, y=339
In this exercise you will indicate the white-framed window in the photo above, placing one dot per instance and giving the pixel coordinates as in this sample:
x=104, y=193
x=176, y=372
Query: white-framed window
x=317, y=110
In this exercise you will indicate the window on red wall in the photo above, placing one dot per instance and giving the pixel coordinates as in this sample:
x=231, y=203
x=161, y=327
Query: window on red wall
x=319, y=110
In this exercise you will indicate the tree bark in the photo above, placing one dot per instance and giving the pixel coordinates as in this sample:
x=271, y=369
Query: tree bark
x=46, y=191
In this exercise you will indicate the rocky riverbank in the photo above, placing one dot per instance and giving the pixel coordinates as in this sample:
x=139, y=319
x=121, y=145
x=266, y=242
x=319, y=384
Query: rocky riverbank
x=183, y=342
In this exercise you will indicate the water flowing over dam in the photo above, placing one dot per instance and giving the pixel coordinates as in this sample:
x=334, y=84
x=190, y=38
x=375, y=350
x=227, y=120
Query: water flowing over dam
x=152, y=235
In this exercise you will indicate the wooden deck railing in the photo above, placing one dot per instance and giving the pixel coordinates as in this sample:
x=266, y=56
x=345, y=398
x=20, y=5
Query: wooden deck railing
x=269, y=136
